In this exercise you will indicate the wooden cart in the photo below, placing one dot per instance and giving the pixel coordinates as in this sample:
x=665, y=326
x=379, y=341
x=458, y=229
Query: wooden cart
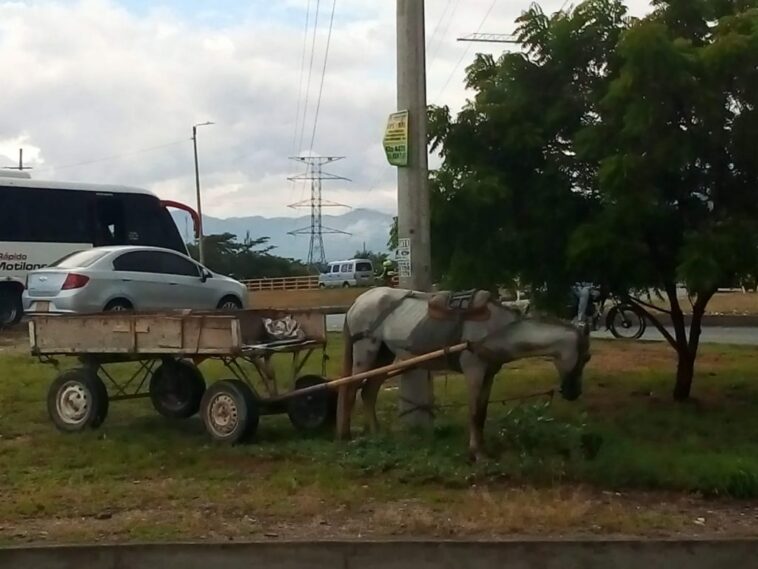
x=167, y=349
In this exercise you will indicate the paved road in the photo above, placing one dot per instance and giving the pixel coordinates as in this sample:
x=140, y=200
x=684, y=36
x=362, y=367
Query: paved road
x=712, y=335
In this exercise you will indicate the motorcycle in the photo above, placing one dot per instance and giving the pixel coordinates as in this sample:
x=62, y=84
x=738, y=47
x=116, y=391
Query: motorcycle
x=623, y=320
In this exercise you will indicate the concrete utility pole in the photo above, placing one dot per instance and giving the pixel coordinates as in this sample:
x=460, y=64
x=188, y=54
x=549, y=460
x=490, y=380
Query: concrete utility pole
x=21, y=166
x=200, y=245
x=416, y=390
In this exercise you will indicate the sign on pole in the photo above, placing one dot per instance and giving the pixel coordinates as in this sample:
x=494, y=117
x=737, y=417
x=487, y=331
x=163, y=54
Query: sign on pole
x=396, y=139
x=403, y=256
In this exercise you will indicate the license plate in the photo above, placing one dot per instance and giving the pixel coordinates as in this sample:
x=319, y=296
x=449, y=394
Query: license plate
x=41, y=307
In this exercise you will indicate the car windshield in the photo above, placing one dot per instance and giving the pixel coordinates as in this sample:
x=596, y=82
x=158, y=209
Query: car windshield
x=79, y=259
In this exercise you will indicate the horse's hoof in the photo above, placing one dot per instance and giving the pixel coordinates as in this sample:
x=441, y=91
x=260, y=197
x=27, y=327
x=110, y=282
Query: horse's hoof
x=476, y=456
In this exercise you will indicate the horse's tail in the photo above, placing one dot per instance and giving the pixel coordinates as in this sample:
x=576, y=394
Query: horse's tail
x=347, y=356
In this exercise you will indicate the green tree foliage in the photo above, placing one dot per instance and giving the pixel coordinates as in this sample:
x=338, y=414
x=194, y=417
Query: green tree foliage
x=240, y=259
x=610, y=149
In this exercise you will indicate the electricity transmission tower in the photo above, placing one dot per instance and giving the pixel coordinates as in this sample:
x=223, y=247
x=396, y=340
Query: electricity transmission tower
x=315, y=175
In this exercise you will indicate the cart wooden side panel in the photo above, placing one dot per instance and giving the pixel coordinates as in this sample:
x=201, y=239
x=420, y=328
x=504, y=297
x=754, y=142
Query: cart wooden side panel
x=153, y=334
x=178, y=333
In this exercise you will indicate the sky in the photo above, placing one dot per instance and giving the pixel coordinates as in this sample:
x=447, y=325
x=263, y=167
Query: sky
x=107, y=91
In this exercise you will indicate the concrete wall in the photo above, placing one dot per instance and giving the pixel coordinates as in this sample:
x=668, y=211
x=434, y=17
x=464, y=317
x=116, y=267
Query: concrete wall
x=394, y=555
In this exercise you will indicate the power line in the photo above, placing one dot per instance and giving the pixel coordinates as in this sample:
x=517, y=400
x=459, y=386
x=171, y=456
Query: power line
x=465, y=53
x=114, y=156
x=323, y=73
x=310, y=72
x=302, y=76
x=439, y=24
x=441, y=38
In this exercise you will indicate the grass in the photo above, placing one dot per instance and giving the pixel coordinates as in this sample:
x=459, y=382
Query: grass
x=624, y=460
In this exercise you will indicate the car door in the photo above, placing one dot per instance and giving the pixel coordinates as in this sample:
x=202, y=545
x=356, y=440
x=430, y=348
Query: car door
x=186, y=288
x=334, y=275
x=137, y=278
x=346, y=274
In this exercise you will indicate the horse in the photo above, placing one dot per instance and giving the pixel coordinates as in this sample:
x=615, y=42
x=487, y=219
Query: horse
x=388, y=324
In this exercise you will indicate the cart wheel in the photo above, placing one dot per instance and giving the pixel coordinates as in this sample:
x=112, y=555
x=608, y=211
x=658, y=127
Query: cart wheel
x=77, y=400
x=230, y=411
x=314, y=411
x=176, y=389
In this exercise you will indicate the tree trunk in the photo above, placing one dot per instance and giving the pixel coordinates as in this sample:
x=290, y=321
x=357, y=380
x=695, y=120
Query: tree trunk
x=685, y=371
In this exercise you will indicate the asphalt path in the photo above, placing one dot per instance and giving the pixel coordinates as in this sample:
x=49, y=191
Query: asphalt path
x=711, y=335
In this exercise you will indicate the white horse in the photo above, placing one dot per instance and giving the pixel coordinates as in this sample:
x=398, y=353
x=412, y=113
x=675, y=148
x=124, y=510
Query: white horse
x=387, y=324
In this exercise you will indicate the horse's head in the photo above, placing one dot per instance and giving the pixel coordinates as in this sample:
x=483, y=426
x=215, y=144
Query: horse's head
x=571, y=365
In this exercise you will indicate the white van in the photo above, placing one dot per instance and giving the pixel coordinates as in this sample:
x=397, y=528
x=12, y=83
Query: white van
x=40, y=222
x=353, y=272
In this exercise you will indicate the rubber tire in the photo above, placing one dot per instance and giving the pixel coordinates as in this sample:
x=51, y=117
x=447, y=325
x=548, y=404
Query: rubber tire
x=119, y=303
x=345, y=285
x=625, y=307
x=247, y=407
x=11, y=308
x=191, y=386
x=96, y=392
x=236, y=301
x=322, y=405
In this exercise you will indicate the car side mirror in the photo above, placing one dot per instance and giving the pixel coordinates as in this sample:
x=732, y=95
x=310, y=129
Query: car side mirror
x=204, y=275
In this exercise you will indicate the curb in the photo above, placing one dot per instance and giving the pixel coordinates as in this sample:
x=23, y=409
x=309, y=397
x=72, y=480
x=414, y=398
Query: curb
x=542, y=554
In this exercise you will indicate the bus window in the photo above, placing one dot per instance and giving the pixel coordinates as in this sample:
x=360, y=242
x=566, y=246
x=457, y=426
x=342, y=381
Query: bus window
x=109, y=221
x=44, y=216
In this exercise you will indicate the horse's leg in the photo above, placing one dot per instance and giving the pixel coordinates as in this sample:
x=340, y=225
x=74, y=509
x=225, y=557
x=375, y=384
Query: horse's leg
x=345, y=401
x=364, y=359
x=476, y=374
x=369, y=394
x=370, y=391
x=482, y=404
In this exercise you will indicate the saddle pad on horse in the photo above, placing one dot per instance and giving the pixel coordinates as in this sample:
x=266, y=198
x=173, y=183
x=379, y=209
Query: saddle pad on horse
x=466, y=305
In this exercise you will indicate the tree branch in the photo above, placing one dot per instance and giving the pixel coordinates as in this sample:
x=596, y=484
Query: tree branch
x=657, y=323
x=646, y=304
x=698, y=311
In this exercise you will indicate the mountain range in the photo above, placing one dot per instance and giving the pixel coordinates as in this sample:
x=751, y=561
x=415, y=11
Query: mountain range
x=366, y=227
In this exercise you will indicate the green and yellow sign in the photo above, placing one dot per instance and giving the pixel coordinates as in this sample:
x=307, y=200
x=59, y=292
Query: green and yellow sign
x=396, y=139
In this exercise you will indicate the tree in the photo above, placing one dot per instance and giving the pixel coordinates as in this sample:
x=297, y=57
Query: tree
x=611, y=149
x=227, y=256
x=678, y=175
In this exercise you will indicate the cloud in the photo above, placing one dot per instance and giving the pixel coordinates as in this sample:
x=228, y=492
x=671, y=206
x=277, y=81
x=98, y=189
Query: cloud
x=96, y=79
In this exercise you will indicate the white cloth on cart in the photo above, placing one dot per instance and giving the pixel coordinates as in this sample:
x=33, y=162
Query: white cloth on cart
x=286, y=328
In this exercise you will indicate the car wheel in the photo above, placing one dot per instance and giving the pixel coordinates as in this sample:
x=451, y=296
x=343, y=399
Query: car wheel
x=345, y=285
x=11, y=308
x=230, y=303
x=118, y=305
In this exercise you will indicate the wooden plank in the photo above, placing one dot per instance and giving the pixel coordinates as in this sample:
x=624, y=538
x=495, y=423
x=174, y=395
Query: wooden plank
x=178, y=332
x=136, y=333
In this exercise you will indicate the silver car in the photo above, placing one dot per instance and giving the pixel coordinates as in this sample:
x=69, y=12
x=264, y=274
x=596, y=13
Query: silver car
x=129, y=278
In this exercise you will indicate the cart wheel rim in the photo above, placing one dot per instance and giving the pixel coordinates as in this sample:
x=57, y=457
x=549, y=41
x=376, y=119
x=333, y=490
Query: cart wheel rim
x=223, y=415
x=72, y=403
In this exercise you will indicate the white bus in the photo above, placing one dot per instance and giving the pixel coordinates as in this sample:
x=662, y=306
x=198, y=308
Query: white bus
x=40, y=222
